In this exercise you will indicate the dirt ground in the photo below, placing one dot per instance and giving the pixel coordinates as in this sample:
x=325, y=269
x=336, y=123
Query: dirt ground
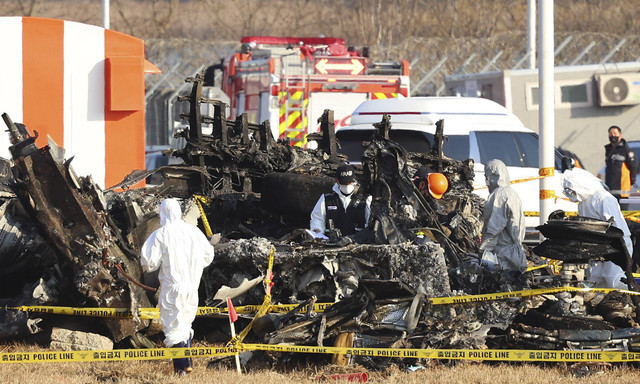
x=435, y=372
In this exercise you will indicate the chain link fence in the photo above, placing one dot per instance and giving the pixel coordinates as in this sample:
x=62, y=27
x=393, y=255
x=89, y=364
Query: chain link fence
x=431, y=60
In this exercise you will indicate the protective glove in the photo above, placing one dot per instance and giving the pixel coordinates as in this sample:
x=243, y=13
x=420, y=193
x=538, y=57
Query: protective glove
x=490, y=259
x=343, y=242
x=214, y=239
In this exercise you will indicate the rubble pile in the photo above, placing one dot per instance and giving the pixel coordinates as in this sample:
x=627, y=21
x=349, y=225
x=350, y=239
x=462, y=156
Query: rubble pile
x=65, y=242
x=329, y=274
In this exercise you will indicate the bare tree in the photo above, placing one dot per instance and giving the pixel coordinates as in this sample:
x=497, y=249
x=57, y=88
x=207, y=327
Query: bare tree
x=162, y=15
x=128, y=26
x=382, y=23
x=29, y=7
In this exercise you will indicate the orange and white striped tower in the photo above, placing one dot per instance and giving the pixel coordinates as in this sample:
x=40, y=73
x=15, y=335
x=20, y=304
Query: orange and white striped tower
x=83, y=86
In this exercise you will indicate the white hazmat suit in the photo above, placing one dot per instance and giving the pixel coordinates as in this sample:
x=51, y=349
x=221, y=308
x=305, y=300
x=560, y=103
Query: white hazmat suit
x=597, y=203
x=181, y=251
x=504, y=227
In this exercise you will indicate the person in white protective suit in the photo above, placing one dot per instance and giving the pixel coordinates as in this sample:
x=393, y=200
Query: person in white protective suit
x=504, y=227
x=596, y=202
x=181, y=251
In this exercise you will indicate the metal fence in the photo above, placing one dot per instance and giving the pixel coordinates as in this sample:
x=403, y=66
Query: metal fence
x=431, y=60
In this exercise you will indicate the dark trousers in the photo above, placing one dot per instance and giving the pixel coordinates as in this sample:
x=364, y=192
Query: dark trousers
x=183, y=363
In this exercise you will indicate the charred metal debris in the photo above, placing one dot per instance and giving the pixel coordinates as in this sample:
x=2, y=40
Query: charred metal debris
x=63, y=241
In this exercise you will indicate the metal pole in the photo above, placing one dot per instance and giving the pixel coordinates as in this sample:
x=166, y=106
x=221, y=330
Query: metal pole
x=522, y=60
x=613, y=51
x=562, y=45
x=492, y=62
x=105, y=14
x=546, y=128
x=464, y=65
x=584, y=52
x=531, y=34
x=426, y=78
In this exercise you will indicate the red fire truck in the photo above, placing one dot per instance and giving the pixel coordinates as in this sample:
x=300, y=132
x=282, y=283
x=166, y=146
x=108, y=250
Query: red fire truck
x=290, y=81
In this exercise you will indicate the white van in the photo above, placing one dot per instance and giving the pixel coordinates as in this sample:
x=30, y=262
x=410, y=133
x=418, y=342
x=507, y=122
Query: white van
x=474, y=128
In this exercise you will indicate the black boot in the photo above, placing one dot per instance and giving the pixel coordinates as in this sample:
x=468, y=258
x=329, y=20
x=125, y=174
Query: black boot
x=189, y=367
x=180, y=365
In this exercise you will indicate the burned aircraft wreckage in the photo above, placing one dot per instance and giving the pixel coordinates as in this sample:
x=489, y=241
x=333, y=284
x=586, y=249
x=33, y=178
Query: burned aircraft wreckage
x=63, y=241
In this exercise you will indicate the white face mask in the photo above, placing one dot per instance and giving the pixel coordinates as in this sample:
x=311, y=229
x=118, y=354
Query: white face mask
x=347, y=189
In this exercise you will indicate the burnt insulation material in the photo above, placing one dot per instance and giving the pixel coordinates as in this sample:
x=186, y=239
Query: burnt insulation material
x=327, y=272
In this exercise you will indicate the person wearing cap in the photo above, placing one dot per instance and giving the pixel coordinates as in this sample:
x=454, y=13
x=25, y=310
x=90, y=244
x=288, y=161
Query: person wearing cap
x=595, y=202
x=341, y=208
x=430, y=183
x=504, y=228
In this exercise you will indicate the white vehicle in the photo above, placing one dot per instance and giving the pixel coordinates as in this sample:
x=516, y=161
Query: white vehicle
x=475, y=128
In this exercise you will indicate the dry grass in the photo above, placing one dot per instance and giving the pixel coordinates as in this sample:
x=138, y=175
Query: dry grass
x=160, y=372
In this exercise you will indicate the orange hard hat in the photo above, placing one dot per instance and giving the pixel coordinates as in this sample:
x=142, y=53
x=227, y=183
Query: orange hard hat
x=438, y=185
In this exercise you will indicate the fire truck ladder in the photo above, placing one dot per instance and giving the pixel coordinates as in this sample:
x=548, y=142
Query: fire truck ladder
x=295, y=101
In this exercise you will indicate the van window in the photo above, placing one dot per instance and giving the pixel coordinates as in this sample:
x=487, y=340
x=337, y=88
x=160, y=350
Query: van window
x=528, y=145
x=498, y=145
x=515, y=149
x=351, y=142
x=456, y=147
x=412, y=141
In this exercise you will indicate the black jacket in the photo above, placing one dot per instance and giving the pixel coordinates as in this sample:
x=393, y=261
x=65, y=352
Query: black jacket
x=348, y=222
x=621, y=167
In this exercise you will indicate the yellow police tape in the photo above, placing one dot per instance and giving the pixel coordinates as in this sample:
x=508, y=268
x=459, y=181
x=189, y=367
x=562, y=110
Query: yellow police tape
x=523, y=293
x=236, y=344
x=538, y=267
x=113, y=355
x=537, y=213
x=152, y=313
x=475, y=188
x=457, y=354
x=205, y=222
x=447, y=354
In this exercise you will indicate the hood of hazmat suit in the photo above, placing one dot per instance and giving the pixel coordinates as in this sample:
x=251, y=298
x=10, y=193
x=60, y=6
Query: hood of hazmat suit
x=582, y=182
x=597, y=203
x=181, y=251
x=504, y=227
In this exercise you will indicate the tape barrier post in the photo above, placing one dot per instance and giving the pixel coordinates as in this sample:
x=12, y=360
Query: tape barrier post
x=266, y=304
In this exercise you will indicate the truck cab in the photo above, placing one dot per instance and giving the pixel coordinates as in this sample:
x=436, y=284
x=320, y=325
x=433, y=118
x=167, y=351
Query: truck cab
x=290, y=81
x=474, y=128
